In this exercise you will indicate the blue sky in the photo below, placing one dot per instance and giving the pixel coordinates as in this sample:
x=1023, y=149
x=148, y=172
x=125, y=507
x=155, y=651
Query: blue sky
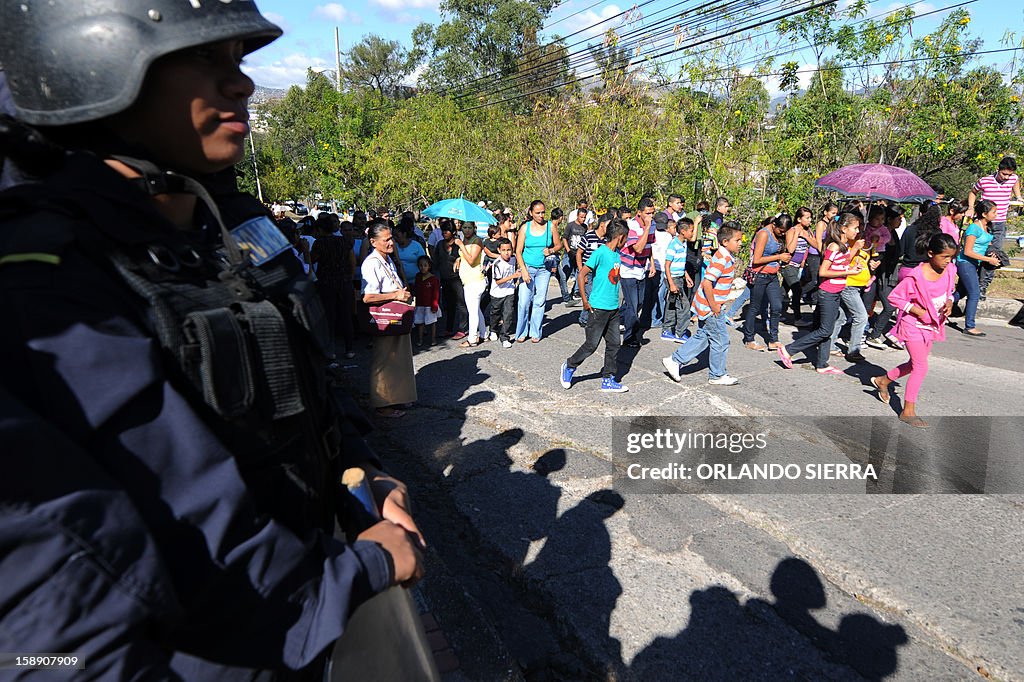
x=309, y=27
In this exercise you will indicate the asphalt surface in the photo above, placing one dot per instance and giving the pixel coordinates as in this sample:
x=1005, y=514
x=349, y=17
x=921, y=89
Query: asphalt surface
x=562, y=572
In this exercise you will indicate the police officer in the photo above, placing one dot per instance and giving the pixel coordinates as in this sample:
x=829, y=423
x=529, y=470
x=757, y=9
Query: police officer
x=171, y=443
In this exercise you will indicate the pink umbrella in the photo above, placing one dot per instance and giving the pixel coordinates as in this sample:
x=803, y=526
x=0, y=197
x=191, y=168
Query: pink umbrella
x=877, y=181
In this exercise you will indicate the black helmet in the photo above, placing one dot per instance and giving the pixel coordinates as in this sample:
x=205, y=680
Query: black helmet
x=73, y=61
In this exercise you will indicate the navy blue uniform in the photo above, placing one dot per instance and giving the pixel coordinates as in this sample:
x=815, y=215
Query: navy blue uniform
x=130, y=532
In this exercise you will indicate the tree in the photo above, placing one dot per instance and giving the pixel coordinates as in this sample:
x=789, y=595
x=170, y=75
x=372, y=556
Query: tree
x=377, y=64
x=477, y=39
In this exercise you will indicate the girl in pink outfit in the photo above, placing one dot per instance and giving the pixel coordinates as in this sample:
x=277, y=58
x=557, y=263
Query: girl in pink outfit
x=948, y=223
x=924, y=300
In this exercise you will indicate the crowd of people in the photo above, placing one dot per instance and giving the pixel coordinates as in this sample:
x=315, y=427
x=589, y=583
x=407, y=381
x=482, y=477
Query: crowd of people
x=844, y=277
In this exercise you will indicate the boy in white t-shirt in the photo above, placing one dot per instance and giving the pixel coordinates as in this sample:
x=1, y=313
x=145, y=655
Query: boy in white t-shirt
x=504, y=274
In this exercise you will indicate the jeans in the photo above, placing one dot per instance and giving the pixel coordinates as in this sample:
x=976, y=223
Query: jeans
x=633, y=292
x=533, y=295
x=851, y=301
x=969, y=286
x=677, y=309
x=453, y=302
x=661, y=302
x=765, y=289
x=652, y=308
x=809, y=278
x=587, y=286
x=503, y=316
x=817, y=342
x=602, y=324
x=565, y=270
x=998, y=236
x=884, y=320
x=737, y=303
x=474, y=291
x=711, y=332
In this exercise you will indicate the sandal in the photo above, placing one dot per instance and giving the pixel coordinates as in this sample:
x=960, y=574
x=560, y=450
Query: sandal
x=830, y=370
x=914, y=421
x=469, y=344
x=535, y=340
x=973, y=332
x=883, y=393
x=785, y=357
x=754, y=345
x=521, y=340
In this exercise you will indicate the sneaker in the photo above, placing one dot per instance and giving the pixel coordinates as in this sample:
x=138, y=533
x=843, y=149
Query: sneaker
x=684, y=337
x=492, y=337
x=667, y=335
x=855, y=356
x=672, y=367
x=567, y=373
x=874, y=342
x=724, y=380
x=506, y=344
x=610, y=385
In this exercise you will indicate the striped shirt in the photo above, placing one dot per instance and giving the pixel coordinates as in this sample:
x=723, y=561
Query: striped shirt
x=589, y=244
x=836, y=261
x=676, y=253
x=997, y=192
x=720, y=273
x=634, y=265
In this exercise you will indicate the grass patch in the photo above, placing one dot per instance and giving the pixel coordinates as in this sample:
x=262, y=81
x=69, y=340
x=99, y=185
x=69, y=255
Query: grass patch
x=1007, y=285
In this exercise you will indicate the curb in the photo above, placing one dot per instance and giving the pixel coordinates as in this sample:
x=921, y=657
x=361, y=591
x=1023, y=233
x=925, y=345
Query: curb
x=1009, y=310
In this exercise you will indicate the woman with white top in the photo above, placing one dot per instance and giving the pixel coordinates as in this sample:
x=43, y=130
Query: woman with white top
x=392, y=376
x=471, y=271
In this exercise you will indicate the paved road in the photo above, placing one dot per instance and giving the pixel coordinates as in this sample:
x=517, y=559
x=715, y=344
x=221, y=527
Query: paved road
x=514, y=475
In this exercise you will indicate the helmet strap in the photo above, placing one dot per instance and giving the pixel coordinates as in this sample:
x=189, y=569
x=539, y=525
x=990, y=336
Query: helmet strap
x=156, y=181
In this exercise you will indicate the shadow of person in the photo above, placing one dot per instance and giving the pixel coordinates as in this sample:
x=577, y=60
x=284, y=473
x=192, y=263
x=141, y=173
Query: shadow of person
x=727, y=640
x=574, y=567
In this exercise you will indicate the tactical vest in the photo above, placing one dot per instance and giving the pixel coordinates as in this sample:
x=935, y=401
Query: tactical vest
x=244, y=344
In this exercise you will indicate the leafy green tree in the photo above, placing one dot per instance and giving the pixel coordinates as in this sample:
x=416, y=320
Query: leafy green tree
x=478, y=39
x=377, y=64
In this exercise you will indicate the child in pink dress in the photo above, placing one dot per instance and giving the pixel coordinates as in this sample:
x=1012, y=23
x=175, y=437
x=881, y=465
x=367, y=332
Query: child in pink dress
x=924, y=300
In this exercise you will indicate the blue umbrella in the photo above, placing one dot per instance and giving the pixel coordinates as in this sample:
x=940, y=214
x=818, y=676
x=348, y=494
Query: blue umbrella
x=460, y=209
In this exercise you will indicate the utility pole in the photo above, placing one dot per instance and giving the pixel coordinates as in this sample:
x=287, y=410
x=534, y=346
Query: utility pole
x=255, y=168
x=337, y=56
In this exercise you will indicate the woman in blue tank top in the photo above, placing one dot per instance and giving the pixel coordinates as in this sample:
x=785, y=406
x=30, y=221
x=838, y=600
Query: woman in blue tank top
x=536, y=242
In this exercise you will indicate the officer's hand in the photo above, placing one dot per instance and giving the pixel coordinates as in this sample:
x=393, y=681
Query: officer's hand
x=406, y=558
x=392, y=498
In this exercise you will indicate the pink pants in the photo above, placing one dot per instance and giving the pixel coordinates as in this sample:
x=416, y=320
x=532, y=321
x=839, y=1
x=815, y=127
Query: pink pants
x=916, y=367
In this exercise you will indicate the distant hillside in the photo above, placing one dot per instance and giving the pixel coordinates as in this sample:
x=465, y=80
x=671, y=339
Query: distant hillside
x=263, y=95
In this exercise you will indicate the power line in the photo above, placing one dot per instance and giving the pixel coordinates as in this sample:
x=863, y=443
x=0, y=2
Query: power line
x=624, y=43
x=690, y=46
x=837, y=67
x=535, y=74
x=574, y=14
x=538, y=48
x=775, y=55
